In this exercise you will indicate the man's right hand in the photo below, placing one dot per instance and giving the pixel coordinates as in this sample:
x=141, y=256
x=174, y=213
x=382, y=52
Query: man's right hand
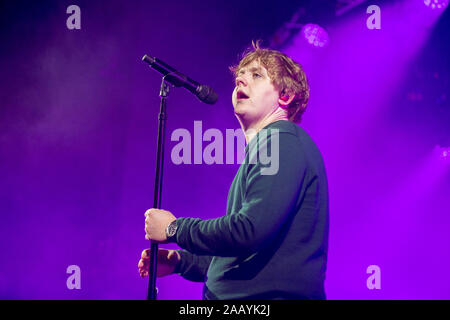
x=167, y=261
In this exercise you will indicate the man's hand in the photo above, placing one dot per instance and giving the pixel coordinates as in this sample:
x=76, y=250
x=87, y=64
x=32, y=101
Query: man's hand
x=166, y=262
x=156, y=222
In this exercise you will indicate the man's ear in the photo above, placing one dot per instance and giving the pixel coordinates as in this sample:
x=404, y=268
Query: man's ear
x=286, y=99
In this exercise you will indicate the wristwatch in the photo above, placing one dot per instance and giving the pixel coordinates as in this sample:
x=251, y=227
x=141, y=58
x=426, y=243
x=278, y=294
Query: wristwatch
x=171, y=231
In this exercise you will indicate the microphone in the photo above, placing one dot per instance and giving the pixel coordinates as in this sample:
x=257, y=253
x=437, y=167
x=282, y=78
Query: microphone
x=204, y=93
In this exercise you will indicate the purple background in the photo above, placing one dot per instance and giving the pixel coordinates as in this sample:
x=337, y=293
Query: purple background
x=78, y=121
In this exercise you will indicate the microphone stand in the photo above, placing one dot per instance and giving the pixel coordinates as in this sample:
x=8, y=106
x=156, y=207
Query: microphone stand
x=205, y=94
x=163, y=93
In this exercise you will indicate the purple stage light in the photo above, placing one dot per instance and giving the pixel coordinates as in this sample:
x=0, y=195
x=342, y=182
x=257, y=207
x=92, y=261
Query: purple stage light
x=443, y=152
x=315, y=35
x=436, y=4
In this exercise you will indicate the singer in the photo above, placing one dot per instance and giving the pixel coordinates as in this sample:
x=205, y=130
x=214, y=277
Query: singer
x=273, y=241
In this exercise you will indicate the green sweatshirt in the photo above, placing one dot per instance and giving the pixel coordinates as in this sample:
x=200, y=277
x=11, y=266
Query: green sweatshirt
x=273, y=241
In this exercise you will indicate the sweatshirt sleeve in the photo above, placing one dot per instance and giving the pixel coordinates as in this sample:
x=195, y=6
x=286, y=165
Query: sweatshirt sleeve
x=192, y=267
x=269, y=200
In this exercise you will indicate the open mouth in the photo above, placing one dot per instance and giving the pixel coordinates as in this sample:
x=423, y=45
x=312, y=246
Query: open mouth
x=241, y=95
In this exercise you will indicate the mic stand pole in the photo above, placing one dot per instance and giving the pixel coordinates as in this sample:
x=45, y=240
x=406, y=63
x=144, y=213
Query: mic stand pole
x=164, y=92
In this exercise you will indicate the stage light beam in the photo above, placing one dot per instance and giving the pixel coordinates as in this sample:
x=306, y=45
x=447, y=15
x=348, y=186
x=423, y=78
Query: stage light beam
x=315, y=35
x=436, y=4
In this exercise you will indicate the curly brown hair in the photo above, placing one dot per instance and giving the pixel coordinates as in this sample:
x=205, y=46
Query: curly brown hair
x=286, y=75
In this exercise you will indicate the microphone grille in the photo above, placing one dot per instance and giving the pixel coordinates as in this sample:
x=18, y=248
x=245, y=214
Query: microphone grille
x=206, y=94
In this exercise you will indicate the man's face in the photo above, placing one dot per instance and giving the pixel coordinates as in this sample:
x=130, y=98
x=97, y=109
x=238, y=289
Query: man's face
x=254, y=96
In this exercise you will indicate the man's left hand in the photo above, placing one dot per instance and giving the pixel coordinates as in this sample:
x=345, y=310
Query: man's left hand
x=156, y=222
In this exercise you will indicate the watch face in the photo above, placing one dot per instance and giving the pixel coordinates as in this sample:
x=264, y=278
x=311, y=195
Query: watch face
x=172, y=229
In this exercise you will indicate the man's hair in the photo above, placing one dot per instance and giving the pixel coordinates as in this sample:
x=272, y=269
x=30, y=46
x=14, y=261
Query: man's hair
x=286, y=75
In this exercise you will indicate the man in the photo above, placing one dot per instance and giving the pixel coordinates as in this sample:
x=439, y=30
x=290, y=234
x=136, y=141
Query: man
x=273, y=241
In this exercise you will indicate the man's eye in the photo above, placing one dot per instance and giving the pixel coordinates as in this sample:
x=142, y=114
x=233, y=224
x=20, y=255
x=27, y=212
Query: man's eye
x=256, y=75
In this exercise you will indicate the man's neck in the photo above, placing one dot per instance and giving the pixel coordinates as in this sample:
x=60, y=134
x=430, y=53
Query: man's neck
x=251, y=129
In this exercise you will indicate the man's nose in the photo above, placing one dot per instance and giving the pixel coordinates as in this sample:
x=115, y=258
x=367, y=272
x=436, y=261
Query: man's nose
x=240, y=80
